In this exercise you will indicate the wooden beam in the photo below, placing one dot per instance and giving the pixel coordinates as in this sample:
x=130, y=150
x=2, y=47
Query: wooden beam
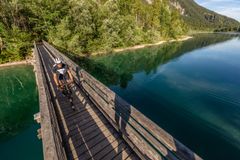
x=146, y=138
x=52, y=150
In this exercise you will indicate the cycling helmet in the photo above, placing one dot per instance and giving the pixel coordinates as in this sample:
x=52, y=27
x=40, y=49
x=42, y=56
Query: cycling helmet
x=57, y=61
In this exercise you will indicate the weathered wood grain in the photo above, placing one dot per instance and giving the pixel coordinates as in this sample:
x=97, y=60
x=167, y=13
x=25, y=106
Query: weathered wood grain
x=146, y=138
x=52, y=141
x=86, y=131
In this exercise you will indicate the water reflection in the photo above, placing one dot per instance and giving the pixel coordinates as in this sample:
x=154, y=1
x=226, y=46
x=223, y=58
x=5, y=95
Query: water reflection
x=191, y=89
x=18, y=103
x=17, y=106
x=118, y=68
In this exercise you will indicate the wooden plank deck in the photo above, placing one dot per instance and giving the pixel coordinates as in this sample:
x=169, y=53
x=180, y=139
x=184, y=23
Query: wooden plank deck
x=86, y=133
x=104, y=126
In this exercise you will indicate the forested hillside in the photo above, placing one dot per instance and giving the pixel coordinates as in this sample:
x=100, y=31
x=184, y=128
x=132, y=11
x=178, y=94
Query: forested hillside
x=86, y=26
x=200, y=18
x=83, y=26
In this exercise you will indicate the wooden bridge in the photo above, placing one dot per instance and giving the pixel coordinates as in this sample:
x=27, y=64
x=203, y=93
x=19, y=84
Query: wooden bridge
x=103, y=126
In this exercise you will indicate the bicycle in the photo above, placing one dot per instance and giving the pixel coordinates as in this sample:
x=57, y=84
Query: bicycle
x=66, y=91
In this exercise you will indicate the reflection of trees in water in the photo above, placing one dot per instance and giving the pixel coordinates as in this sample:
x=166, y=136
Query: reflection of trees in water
x=124, y=78
x=19, y=99
x=114, y=69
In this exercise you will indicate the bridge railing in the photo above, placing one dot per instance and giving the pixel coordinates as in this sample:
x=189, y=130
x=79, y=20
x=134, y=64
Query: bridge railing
x=146, y=138
x=50, y=132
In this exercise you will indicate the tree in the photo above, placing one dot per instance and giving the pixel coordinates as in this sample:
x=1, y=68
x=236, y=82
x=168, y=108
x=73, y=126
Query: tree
x=84, y=26
x=45, y=15
x=177, y=26
x=165, y=19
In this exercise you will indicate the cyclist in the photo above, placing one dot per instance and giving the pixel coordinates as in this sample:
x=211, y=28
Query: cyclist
x=63, y=78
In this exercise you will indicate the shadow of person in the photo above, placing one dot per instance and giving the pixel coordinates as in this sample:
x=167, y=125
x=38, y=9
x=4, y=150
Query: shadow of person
x=82, y=132
x=77, y=74
x=122, y=115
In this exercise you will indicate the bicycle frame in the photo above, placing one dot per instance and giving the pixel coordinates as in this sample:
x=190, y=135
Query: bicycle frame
x=67, y=90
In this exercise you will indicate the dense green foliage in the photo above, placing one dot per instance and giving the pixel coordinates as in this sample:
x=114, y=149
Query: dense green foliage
x=14, y=43
x=200, y=18
x=84, y=26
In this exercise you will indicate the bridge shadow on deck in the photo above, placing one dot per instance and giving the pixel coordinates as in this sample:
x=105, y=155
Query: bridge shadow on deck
x=86, y=132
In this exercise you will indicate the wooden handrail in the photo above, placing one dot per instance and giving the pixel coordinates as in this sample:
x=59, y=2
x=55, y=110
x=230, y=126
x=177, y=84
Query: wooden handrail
x=146, y=138
x=51, y=138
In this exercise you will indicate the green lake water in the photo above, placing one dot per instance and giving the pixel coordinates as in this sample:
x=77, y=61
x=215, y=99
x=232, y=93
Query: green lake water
x=18, y=103
x=191, y=89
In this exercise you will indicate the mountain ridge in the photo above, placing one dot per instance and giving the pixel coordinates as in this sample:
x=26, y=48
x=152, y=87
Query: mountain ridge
x=199, y=17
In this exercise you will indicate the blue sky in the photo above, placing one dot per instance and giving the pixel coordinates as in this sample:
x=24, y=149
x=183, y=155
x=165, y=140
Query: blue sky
x=230, y=8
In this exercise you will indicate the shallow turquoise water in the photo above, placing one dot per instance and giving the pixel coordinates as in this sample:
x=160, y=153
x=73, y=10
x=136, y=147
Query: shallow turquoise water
x=191, y=89
x=18, y=103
